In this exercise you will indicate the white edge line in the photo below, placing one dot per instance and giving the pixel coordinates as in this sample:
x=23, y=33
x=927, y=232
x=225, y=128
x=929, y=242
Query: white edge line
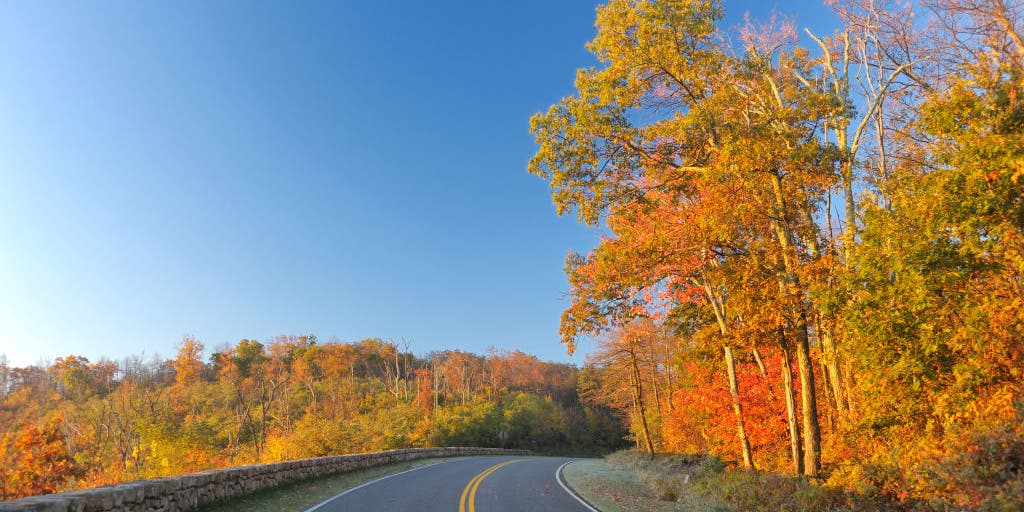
x=371, y=482
x=559, y=478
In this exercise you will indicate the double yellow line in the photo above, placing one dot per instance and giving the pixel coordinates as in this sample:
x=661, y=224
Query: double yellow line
x=469, y=493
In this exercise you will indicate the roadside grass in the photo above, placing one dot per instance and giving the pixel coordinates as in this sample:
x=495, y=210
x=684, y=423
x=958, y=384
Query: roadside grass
x=614, y=488
x=630, y=481
x=302, y=495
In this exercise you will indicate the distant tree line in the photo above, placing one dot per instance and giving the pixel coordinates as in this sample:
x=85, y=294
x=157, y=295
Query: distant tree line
x=77, y=423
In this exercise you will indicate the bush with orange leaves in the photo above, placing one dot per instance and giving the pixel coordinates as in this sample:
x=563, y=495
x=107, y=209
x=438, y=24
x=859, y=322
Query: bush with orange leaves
x=35, y=460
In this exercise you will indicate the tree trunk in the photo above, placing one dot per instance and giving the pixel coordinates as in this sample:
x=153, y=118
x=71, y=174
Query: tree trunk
x=848, y=383
x=748, y=460
x=312, y=393
x=791, y=285
x=764, y=372
x=638, y=400
x=830, y=416
x=655, y=385
x=850, y=213
x=794, y=426
x=831, y=357
x=808, y=401
x=671, y=385
x=734, y=390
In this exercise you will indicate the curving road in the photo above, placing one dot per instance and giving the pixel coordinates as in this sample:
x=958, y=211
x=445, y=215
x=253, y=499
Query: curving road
x=473, y=484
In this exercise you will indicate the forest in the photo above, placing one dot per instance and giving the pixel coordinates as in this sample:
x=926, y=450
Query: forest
x=812, y=258
x=75, y=423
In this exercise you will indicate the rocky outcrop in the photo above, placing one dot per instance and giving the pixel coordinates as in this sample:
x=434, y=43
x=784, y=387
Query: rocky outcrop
x=186, y=492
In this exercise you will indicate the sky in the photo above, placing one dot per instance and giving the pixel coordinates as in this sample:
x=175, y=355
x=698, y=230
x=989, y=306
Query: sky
x=233, y=170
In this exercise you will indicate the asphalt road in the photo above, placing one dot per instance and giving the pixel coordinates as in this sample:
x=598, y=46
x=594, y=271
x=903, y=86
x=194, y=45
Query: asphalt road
x=473, y=484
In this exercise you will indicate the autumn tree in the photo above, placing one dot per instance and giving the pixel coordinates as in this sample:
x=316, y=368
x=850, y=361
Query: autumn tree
x=188, y=365
x=257, y=381
x=35, y=461
x=712, y=164
x=290, y=397
x=630, y=377
x=936, y=296
x=698, y=154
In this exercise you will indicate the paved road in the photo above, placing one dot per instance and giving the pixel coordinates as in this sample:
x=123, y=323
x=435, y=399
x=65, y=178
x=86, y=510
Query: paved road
x=473, y=484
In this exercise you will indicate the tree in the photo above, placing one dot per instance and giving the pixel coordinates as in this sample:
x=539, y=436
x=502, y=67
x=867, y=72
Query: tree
x=702, y=160
x=624, y=362
x=188, y=365
x=35, y=461
x=257, y=381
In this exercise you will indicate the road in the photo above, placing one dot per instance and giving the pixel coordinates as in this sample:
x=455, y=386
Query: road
x=472, y=484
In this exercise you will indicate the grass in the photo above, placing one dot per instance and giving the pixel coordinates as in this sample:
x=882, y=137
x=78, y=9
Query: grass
x=630, y=481
x=303, y=495
x=616, y=488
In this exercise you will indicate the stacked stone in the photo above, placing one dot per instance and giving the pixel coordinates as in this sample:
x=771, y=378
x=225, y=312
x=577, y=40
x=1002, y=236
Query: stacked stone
x=179, y=493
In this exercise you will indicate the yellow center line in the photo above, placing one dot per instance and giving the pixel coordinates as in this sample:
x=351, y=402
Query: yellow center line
x=469, y=493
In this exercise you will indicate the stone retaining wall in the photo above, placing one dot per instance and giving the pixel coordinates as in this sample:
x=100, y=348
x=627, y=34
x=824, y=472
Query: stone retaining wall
x=186, y=492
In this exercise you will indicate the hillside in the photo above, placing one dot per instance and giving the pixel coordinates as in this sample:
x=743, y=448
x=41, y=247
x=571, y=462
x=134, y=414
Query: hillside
x=78, y=423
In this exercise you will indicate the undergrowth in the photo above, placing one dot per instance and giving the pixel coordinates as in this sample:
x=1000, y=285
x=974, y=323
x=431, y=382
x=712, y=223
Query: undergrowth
x=706, y=480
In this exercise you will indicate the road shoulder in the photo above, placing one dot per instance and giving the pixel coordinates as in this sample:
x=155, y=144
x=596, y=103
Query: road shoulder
x=611, y=489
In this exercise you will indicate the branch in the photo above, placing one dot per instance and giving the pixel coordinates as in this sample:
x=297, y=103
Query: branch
x=874, y=106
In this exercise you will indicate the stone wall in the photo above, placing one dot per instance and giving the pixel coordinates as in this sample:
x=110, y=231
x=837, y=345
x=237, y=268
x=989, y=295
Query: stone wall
x=186, y=492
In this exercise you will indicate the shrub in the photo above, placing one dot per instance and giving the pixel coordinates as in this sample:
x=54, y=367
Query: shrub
x=985, y=469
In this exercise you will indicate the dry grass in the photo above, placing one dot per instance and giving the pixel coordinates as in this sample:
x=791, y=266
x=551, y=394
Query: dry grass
x=630, y=481
x=615, y=488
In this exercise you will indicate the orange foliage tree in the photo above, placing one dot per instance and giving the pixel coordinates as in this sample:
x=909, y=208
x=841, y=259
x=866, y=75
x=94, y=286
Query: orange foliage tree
x=711, y=156
x=35, y=460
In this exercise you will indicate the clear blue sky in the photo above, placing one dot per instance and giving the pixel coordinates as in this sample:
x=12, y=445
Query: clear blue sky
x=243, y=170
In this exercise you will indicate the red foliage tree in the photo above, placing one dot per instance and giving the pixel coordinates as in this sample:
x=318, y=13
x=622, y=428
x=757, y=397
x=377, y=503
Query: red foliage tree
x=702, y=418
